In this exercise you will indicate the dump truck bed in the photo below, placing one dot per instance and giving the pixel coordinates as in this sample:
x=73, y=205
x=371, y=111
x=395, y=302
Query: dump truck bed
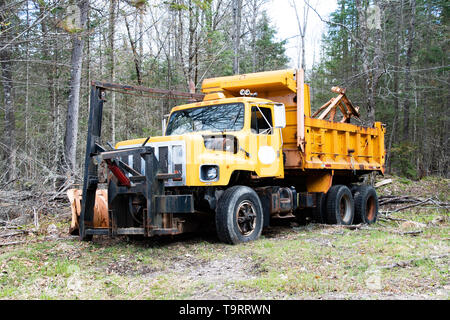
x=333, y=145
x=326, y=144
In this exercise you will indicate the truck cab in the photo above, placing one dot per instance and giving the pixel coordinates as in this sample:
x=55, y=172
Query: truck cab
x=209, y=141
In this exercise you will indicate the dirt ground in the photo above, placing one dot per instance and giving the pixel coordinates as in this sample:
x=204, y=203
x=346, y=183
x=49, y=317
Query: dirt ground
x=405, y=255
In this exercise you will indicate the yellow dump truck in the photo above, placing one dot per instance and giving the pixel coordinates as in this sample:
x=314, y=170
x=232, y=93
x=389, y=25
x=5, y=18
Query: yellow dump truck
x=250, y=151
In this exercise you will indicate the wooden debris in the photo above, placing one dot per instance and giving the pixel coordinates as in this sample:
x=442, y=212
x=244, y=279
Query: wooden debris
x=387, y=218
x=342, y=103
x=10, y=234
x=3, y=244
x=350, y=227
x=412, y=233
x=410, y=199
x=383, y=183
x=412, y=205
x=408, y=263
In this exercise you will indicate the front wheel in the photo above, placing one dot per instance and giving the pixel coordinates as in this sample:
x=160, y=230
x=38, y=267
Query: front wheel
x=239, y=215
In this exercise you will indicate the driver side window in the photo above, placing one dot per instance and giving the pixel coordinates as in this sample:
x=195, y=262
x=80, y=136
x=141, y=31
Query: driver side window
x=261, y=120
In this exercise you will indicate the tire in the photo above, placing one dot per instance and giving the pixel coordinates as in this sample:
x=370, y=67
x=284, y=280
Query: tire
x=366, y=204
x=239, y=215
x=319, y=213
x=340, y=205
x=354, y=188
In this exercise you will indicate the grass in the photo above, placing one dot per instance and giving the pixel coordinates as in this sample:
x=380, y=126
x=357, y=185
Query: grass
x=287, y=262
x=306, y=263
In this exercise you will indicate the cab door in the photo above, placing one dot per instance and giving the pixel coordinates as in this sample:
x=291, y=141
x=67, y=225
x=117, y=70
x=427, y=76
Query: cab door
x=266, y=145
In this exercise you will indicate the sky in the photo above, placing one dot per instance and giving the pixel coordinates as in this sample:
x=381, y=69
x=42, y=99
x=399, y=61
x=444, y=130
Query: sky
x=283, y=18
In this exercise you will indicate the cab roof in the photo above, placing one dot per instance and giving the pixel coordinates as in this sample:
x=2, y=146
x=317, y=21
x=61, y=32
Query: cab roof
x=220, y=101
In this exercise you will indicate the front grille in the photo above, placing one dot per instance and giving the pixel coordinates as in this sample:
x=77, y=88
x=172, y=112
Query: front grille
x=163, y=153
x=171, y=157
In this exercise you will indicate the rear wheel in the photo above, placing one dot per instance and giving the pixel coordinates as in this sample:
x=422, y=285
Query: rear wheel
x=340, y=205
x=366, y=204
x=239, y=215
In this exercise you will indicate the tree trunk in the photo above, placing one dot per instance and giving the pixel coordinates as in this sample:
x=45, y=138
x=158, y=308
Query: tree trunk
x=302, y=31
x=399, y=27
x=406, y=102
x=237, y=15
x=191, y=56
x=371, y=67
x=51, y=74
x=135, y=54
x=255, y=11
x=141, y=35
x=344, y=45
x=9, y=136
x=70, y=140
x=112, y=65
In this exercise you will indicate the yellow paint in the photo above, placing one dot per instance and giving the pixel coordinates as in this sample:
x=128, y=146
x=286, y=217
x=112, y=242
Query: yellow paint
x=329, y=145
x=319, y=181
x=335, y=145
x=228, y=162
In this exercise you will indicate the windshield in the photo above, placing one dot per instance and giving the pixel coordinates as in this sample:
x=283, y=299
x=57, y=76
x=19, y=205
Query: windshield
x=221, y=117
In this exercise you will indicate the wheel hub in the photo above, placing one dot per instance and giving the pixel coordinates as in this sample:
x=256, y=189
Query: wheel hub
x=246, y=217
x=345, y=207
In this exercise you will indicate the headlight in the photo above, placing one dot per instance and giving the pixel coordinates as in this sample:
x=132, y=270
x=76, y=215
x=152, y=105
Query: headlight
x=209, y=173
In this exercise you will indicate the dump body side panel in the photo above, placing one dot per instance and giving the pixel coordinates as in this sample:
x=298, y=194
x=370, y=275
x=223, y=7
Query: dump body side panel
x=343, y=146
x=339, y=146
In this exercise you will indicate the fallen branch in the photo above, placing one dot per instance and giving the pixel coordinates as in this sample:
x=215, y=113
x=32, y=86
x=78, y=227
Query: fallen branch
x=350, y=227
x=413, y=233
x=11, y=234
x=397, y=199
x=11, y=243
x=388, y=199
x=442, y=205
x=401, y=233
x=386, y=218
x=407, y=263
x=383, y=182
x=411, y=205
x=8, y=182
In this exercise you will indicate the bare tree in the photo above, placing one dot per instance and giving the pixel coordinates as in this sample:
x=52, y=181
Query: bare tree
x=406, y=102
x=301, y=23
x=255, y=10
x=135, y=54
x=7, y=82
x=51, y=87
x=112, y=63
x=70, y=138
x=398, y=9
x=236, y=35
x=371, y=51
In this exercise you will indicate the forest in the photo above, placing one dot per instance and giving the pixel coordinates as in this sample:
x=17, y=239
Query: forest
x=392, y=56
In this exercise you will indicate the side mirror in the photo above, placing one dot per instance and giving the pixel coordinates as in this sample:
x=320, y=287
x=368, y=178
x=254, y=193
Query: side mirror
x=279, y=115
